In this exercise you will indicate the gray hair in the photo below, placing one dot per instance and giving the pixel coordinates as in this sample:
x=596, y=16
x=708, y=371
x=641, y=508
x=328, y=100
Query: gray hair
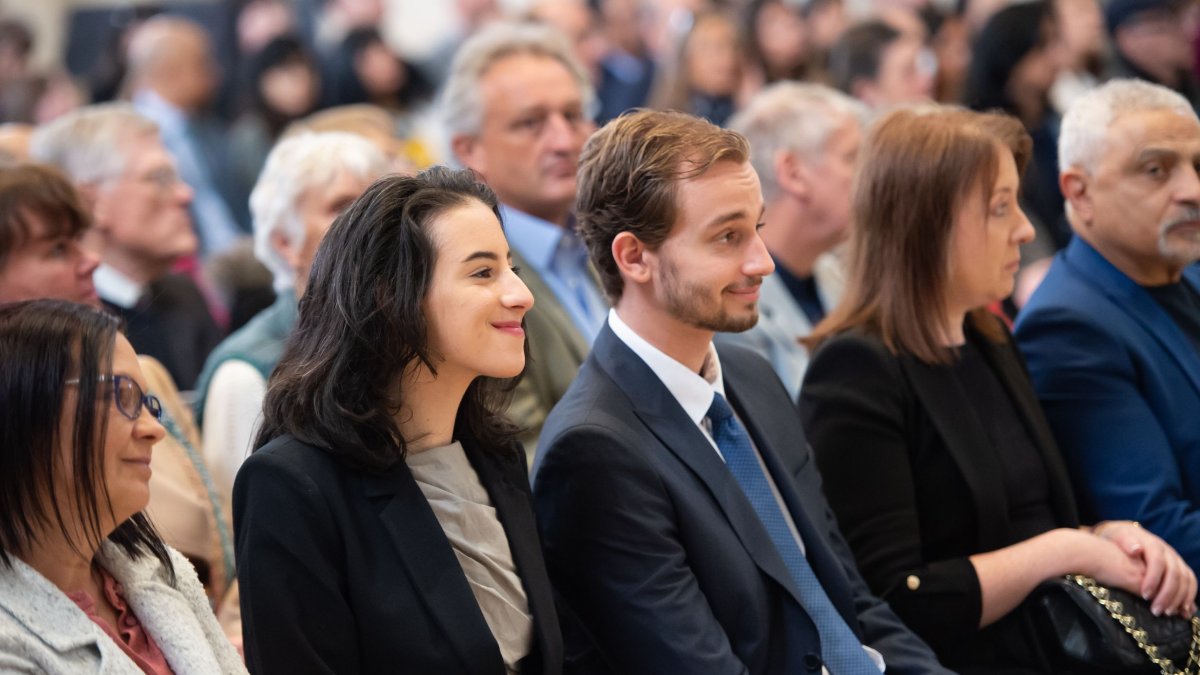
x=1083, y=135
x=297, y=164
x=792, y=116
x=89, y=144
x=460, y=106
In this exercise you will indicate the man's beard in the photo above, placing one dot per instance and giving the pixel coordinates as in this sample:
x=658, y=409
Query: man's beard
x=1182, y=245
x=692, y=305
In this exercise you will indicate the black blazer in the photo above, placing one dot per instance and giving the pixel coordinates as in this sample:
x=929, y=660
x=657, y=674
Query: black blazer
x=656, y=550
x=899, y=451
x=343, y=571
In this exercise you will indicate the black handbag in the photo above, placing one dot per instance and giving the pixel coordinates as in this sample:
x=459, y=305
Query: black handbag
x=1095, y=629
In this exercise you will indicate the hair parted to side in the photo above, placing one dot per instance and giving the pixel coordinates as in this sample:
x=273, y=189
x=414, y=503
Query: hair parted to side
x=41, y=192
x=915, y=172
x=362, y=323
x=628, y=174
x=44, y=343
x=460, y=106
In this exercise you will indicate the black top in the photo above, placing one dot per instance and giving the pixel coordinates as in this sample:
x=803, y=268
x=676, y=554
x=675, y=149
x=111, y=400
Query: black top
x=1022, y=471
x=804, y=292
x=907, y=454
x=1182, y=302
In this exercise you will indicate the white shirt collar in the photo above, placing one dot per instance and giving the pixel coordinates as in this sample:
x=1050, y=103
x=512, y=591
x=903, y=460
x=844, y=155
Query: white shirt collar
x=694, y=393
x=117, y=288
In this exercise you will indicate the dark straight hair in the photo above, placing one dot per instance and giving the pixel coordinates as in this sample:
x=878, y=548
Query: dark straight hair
x=361, y=324
x=915, y=171
x=44, y=343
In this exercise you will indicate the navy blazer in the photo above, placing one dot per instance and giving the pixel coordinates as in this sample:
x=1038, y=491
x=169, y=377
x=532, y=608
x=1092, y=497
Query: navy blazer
x=654, y=547
x=1120, y=384
x=343, y=571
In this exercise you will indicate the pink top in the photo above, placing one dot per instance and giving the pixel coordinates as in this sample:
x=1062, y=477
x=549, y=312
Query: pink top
x=130, y=636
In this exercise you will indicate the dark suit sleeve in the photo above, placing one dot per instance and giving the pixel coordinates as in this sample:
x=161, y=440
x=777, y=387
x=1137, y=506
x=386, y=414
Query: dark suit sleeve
x=854, y=409
x=1119, y=453
x=294, y=614
x=614, y=555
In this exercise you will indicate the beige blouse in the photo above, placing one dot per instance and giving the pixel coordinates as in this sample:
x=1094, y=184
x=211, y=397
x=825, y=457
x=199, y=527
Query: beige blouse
x=464, y=510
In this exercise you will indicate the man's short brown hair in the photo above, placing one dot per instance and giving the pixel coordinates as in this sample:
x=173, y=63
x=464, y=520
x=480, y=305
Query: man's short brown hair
x=41, y=192
x=628, y=174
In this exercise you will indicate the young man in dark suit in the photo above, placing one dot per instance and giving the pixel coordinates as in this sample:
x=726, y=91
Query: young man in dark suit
x=682, y=515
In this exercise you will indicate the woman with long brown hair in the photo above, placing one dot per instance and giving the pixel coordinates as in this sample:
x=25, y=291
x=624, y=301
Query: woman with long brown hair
x=936, y=457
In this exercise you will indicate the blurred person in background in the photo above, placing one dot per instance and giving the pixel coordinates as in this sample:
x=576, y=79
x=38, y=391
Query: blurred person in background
x=705, y=72
x=517, y=110
x=1018, y=56
x=140, y=227
x=776, y=40
x=580, y=24
x=627, y=68
x=86, y=582
x=43, y=224
x=880, y=66
x=309, y=179
x=172, y=80
x=366, y=70
x=14, y=141
x=804, y=140
x=1081, y=31
x=282, y=85
x=1154, y=40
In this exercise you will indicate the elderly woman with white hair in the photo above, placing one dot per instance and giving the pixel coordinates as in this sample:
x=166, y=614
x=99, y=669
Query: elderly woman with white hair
x=306, y=182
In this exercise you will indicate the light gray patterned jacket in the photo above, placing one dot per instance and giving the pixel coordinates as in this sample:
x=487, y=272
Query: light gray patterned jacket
x=43, y=631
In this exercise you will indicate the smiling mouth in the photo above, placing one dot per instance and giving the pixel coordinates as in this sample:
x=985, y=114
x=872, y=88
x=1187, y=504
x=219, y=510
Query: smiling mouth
x=513, y=328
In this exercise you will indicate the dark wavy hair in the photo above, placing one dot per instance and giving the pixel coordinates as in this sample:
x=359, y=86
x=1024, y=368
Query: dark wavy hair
x=44, y=343
x=362, y=324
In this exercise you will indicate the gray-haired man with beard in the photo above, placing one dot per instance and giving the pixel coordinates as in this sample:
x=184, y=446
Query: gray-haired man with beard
x=1112, y=336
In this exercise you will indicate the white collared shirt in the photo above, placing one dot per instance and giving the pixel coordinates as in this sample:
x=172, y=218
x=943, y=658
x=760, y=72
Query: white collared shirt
x=114, y=287
x=695, y=395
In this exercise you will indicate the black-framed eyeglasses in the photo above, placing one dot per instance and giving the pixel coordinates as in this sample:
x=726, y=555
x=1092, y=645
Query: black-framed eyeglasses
x=129, y=397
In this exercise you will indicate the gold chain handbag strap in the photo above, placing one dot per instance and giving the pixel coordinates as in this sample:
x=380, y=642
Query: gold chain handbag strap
x=1117, y=611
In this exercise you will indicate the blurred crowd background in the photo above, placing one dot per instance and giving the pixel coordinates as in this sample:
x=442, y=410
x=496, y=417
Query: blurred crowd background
x=242, y=71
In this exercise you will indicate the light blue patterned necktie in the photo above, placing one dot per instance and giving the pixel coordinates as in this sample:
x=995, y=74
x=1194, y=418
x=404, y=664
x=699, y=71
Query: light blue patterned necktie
x=840, y=648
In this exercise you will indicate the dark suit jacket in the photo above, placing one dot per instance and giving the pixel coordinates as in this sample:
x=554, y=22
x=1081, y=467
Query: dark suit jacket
x=655, y=548
x=1120, y=383
x=899, y=449
x=171, y=323
x=343, y=571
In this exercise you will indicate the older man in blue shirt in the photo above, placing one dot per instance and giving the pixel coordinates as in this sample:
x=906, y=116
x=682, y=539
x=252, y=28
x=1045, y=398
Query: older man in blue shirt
x=517, y=110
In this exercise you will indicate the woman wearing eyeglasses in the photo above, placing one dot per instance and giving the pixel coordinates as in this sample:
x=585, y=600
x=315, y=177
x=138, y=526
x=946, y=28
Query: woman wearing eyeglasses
x=86, y=583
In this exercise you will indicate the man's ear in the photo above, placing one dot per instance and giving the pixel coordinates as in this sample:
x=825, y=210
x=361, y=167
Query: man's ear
x=469, y=152
x=283, y=246
x=629, y=252
x=96, y=205
x=864, y=90
x=791, y=174
x=1074, y=185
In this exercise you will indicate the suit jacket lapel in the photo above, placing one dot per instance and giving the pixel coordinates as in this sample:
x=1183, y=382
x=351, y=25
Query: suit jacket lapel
x=1132, y=299
x=432, y=566
x=515, y=512
x=943, y=398
x=662, y=414
x=746, y=396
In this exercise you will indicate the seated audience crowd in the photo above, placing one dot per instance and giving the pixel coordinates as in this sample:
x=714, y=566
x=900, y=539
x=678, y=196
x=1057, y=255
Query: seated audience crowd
x=738, y=336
